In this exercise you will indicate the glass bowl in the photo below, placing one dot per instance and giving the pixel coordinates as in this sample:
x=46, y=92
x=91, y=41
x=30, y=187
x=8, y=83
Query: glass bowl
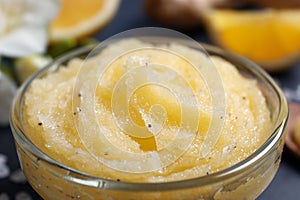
x=245, y=180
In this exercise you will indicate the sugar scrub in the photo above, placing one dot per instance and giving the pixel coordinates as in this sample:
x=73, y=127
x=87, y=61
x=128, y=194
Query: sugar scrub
x=51, y=116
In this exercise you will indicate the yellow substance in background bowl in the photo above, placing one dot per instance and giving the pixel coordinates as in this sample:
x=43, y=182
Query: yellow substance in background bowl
x=50, y=124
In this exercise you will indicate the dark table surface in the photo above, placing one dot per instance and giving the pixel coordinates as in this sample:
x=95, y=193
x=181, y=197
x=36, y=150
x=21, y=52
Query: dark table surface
x=286, y=184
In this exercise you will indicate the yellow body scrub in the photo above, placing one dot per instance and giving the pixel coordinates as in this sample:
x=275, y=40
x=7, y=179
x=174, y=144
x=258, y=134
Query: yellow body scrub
x=52, y=118
x=141, y=120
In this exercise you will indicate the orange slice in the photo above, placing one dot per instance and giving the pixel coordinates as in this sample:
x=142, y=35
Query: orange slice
x=81, y=17
x=268, y=37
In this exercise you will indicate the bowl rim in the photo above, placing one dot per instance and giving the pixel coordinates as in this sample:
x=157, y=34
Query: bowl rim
x=94, y=181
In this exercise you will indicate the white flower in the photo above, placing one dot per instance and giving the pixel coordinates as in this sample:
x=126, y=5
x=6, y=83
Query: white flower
x=24, y=26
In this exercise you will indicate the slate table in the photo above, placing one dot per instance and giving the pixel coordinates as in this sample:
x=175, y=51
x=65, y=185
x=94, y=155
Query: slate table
x=286, y=184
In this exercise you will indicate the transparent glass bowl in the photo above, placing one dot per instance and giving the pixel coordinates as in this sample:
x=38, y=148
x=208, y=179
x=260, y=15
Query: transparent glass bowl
x=245, y=180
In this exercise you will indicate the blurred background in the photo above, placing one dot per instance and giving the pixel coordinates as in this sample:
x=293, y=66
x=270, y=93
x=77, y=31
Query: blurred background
x=34, y=33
